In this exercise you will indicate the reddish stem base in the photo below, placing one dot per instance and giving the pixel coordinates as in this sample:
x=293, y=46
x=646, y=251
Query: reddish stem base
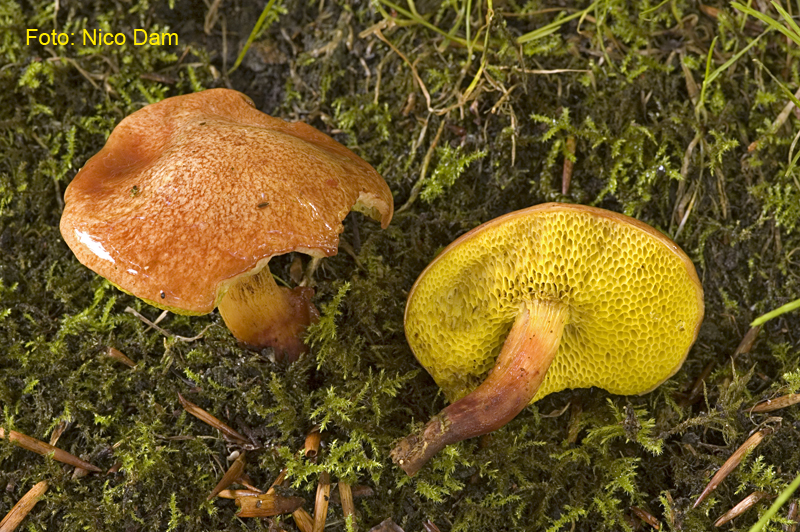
x=519, y=370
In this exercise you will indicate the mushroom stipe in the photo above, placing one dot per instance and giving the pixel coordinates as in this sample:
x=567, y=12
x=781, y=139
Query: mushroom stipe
x=551, y=297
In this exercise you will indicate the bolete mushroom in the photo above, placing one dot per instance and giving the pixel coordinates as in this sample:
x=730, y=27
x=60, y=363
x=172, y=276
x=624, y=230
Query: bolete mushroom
x=192, y=196
x=544, y=299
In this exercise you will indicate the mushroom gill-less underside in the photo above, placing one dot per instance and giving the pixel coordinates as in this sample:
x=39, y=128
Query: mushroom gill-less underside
x=634, y=303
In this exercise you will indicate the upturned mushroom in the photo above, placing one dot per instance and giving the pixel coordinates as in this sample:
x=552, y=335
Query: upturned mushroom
x=191, y=197
x=540, y=300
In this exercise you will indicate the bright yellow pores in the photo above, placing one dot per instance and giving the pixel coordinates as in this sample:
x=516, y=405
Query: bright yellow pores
x=635, y=303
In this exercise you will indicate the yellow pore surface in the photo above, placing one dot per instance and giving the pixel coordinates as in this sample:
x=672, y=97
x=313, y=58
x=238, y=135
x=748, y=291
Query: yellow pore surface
x=633, y=298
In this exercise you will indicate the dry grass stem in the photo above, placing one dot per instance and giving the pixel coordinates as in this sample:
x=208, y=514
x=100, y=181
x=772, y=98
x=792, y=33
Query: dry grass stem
x=566, y=175
x=731, y=464
x=321, y=502
x=23, y=507
x=207, y=418
x=744, y=505
x=40, y=447
x=231, y=475
x=412, y=197
x=165, y=332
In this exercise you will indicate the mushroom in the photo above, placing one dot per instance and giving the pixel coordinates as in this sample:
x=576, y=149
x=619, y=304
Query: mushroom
x=191, y=197
x=544, y=299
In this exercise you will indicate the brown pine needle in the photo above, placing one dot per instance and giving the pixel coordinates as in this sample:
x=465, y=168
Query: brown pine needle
x=730, y=464
x=744, y=505
x=236, y=494
x=267, y=505
x=321, y=503
x=207, y=418
x=647, y=517
x=771, y=405
x=40, y=447
x=231, y=475
x=303, y=521
x=119, y=356
x=23, y=507
x=348, y=507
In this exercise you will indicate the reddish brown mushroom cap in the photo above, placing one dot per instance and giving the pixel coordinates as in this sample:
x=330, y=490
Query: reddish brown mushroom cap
x=192, y=192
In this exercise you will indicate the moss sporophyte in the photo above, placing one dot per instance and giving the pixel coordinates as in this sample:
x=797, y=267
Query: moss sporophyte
x=190, y=237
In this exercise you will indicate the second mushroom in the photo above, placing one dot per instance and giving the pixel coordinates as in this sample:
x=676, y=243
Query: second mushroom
x=540, y=300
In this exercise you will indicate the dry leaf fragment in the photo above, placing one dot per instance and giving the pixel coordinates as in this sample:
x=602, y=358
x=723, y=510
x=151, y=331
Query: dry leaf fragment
x=40, y=447
x=731, y=463
x=23, y=507
x=209, y=419
x=744, y=505
x=267, y=505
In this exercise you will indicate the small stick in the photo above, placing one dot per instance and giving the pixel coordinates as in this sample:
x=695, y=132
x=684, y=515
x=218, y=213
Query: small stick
x=311, y=448
x=207, y=418
x=731, y=464
x=321, y=503
x=744, y=505
x=23, y=507
x=230, y=476
x=40, y=447
x=348, y=507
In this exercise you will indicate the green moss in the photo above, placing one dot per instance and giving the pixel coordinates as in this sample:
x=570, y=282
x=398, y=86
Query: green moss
x=623, y=82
